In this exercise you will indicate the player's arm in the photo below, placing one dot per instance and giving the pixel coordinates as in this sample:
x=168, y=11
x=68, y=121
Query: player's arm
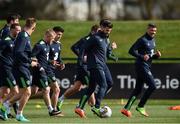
x=75, y=47
x=19, y=51
x=59, y=59
x=60, y=63
x=110, y=54
x=1, y=32
x=4, y=33
x=134, y=49
x=86, y=45
x=156, y=55
x=35, y=51
x=3, y=45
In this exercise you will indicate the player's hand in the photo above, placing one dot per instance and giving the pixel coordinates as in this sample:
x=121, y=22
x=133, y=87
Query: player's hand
x=146, y=57
x=158, y=53
x=60, y=66
x=34, y=63
x=54, y=62
x=114, y=45
x=85, y=59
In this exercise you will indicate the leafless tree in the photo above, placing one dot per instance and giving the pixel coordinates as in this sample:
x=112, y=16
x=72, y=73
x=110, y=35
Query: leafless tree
x=146, y=8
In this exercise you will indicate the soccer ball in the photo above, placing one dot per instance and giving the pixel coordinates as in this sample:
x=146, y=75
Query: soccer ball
x=105, y=112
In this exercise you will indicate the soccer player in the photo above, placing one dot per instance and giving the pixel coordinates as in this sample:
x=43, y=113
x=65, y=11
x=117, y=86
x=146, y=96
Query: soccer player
x=22, y=63
x=107, y=73
x=82, y=76
x=5, y=31
x=144, y=51
x=96, y=50
x=11, y=19
x=40, y=53
x=6, y=60
x=56, y=63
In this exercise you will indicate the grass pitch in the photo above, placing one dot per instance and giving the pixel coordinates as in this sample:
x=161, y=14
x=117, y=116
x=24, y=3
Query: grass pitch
x=37, y=112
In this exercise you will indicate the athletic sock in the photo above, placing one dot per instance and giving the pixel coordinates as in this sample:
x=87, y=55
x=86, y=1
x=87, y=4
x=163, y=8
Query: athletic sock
x=83, y=102
x=61, y=98
x=130, y=103
x=19, y=113
x=50, y=108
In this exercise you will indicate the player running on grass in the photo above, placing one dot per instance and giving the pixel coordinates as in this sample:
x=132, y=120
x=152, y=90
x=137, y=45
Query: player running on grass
x=6, y=64
x=96, y=50
x=82, y=76
x=143, y=50
x=41, y=73
x=107, y=73
x=13, y=18
x=22, y=63
x=56, y=63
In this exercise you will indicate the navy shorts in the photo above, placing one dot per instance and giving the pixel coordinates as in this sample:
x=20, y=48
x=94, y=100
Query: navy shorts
x=40, y=78
x=22, y=75
x=51, y=75
x=43, y=77
x=7, y=77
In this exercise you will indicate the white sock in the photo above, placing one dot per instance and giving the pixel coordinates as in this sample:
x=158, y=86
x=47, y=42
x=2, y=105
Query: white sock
x=54, y=109
x=19, y=113
x=50, y=108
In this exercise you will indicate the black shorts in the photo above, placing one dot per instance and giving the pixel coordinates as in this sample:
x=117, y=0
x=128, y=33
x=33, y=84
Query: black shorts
x=82, y=76
x=23, y=76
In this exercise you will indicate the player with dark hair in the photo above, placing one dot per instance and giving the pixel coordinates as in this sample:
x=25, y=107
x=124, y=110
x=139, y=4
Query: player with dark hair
x=107, y=73
x=11, y=19
x=82, y=76
x=22, y=63
x=143, y=50
x=56, y=63
x=96, y=50
x=6, y=64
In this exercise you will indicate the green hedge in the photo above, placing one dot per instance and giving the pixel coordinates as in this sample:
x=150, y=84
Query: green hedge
x=124, y=34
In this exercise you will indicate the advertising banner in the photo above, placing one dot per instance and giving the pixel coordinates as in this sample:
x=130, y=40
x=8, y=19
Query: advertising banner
x=167, y=78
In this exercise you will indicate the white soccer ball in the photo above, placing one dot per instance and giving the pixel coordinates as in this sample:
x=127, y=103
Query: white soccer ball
x=105, y=112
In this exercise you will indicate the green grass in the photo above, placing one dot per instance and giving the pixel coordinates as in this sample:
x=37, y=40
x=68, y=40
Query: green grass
x=124, y=34
x=156, y=108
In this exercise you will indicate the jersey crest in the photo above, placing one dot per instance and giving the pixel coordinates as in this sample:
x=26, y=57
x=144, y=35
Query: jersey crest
x=25, y=34
x=41, y=42
x=7, y=38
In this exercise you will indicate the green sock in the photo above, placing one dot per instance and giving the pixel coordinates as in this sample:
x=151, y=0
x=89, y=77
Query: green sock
x=83, y=101
x=130, y=103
